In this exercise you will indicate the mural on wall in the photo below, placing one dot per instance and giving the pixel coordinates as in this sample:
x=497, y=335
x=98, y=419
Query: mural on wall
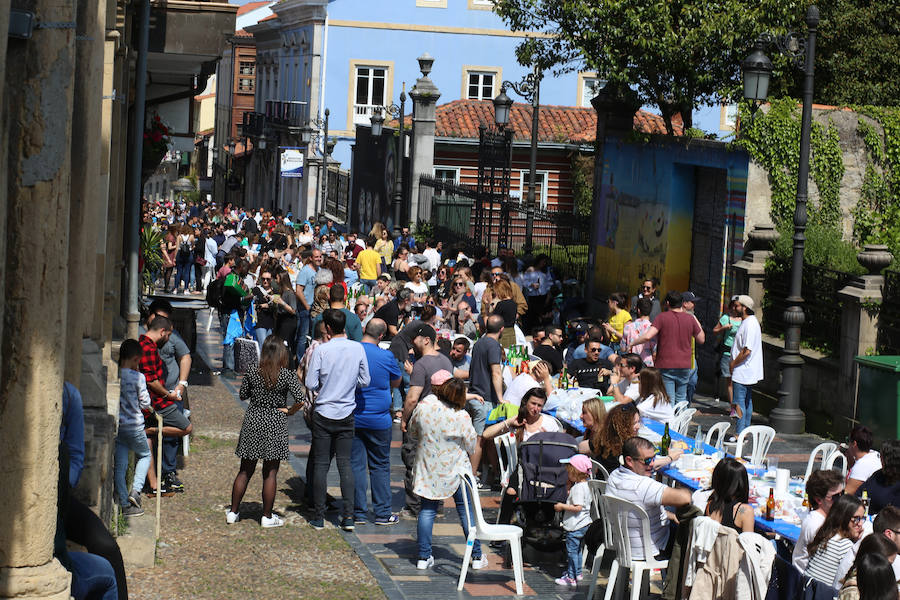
x=373, y=181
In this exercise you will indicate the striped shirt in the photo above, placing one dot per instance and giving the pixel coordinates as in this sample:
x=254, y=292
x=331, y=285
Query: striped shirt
x=824, y=564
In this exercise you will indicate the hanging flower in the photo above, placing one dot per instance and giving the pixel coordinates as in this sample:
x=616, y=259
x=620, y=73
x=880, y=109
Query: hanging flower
x=156, y=138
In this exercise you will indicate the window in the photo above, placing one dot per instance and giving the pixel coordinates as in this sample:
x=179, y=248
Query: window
x=480, y=85
x=246, y=76
x=540, y=187
x=589, y=88
x=449, y=174
x=481, y=4
x=370, y=92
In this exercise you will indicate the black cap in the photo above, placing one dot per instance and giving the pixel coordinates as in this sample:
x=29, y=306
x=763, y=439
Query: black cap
x=425, y=330
x=689, y=297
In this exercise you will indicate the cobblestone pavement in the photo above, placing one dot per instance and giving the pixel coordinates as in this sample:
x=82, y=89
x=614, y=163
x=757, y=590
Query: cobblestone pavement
x=202, y=558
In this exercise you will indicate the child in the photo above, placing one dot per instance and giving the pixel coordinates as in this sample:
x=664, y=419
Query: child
x=576, y=523
x=133, y=396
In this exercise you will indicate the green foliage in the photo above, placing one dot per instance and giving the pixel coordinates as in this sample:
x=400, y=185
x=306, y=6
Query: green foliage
x=675, y=55
x=151, y=252
x=773, y=140
x=824, y=247
x=424, y=230
x=583, y=183
x=877, y=214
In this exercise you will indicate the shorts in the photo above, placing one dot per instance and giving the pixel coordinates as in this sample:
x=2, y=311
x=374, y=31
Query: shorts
x=725, y=364
x=171, y=416
x=479, y=412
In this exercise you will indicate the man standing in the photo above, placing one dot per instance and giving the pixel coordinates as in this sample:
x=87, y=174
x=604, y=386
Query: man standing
x=335, y=370
x=460, y=358
x=405, y=238
x=676, y=330
x=633, y=482
x=369, y=262
x=305, y=289
x=648, y=290
x=548, y=349
x=485, y=380
x=372, y=432
x=428, y=362
x=688, y=302
x=746, y=361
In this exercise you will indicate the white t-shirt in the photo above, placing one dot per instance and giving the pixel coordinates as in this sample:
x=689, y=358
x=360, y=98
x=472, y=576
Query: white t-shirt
x=579, y=494
x=517, y=388
x=548, y=423
x=748, y=336
x=812, y=523
x=663, y=412
x=417, y=288
x=647, y=493
x=633, y=390
x=865, y=466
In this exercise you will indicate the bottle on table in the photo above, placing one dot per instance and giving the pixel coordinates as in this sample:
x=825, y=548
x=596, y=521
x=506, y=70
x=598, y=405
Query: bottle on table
x=805, y=501
x=865, y=502
x=698, y=441
x=665, y=442
x=770, y=505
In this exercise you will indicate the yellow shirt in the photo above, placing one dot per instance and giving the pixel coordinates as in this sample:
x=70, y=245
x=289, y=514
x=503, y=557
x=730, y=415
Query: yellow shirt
x=386, y=249
x=368, y=261
x=618, y=321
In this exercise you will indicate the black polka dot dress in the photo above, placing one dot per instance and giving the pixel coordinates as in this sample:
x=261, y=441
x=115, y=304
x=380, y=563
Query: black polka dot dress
x=264, y=434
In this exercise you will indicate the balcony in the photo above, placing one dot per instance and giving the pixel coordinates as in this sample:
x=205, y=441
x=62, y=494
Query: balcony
x=289, y=115
x=183, y=34
x=362, y=113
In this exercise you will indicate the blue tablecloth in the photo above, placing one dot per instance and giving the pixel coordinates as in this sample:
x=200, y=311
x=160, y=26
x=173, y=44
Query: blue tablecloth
x=782, y=528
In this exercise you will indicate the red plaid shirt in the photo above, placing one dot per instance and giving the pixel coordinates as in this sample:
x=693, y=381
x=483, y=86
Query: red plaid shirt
x=152, y=367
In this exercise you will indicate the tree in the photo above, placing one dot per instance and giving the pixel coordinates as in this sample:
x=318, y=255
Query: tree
x=676, y=54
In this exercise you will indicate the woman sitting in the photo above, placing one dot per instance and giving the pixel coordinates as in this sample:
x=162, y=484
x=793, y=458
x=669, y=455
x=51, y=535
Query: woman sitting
x=654, y=402
x=842, y=528
x=730, y=496
x=823, y=488
x=529, y=421
x=593, y=417
x=623, y=421
x=883, y=487
x=871, y=575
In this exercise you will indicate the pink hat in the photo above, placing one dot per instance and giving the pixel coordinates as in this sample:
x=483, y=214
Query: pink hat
x=440, y=377
x=579, y=461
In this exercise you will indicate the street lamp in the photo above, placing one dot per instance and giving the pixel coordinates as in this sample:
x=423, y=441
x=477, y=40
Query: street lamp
x=787, y=416
x=376, y=121
x=530, y=89
x=315, y=124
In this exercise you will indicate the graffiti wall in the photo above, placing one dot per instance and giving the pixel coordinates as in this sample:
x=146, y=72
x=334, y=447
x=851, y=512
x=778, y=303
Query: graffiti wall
x=644, y=214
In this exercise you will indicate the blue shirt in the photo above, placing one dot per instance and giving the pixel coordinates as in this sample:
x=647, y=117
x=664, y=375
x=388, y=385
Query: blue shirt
x=350, y=277
x=307, y=278
x=373, y=402
x=335, y=370
x=71, y=431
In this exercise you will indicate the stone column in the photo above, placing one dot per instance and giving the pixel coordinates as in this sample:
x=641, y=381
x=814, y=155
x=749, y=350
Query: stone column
x=424, y=96
x=859, y=323
x=38, y=111
x=751, y=269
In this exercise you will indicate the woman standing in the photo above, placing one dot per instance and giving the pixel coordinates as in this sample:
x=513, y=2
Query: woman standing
x=401, y=263
x=505, y=306
x=264, y=433
x=842, y=528
x=727, y=326
x=446, y=439
x=384, y=246
x=184, y=259
x=199, y=260
x=264, y=303
x=209, y=253
x=286, y=311
x=305, y=237
x=168, y=246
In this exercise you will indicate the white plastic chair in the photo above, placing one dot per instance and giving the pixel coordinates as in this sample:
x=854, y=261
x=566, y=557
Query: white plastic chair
x=615, y=518
x=486, y=532
x=506, y=453
x=825, y=448
x=717, y=432
x=829, y=462
x=599, y=471
x=680, y=407
x=681, y=421
x=761, y=437
x=598, y=488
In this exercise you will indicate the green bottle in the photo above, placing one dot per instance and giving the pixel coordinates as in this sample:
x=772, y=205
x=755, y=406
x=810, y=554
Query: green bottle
x=665, y=442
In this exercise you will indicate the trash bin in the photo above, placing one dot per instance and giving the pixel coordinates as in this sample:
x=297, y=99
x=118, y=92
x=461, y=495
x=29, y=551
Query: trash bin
x=878, y=403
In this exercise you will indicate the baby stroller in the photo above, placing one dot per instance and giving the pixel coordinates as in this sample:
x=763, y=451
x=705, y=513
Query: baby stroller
x=542, y=483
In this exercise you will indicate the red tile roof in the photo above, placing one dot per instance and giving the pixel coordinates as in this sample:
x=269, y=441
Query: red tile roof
x=560, y=124
x=251, y=6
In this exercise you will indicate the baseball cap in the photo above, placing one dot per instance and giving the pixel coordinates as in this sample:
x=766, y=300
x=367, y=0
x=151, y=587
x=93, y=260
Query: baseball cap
x=580, y=329
x=425, y=330
x=441, y=376
x=579, y=461
x=745, y=300
x=689, y=297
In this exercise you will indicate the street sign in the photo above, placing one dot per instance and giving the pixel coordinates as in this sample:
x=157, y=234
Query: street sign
x=291, y=162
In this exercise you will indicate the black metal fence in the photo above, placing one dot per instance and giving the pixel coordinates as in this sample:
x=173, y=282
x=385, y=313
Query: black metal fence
x=338, y=193
x=889, y=315
x=821, y=305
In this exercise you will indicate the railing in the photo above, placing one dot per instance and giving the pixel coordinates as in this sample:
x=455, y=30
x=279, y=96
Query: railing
x=287, y=114
x=362, y=113
x=889, y=315
x=338, y=193
x=822, y=306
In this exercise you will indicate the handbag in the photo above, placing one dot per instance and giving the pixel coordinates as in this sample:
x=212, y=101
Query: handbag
x=200, y=261
x=246, y=354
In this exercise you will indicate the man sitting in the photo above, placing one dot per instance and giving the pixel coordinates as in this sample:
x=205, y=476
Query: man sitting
x=624, y=381
x=633, y=482
x=597, y=365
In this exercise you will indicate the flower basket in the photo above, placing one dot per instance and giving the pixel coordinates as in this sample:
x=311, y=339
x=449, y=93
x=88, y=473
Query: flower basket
x=156, y=145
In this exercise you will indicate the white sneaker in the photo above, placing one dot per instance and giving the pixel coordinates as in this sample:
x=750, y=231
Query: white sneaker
x=232, y=517
x=480, y=563
x=425, y=564
x=273, y=521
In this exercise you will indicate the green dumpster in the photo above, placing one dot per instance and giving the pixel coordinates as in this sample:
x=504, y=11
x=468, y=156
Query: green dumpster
x=878, y=405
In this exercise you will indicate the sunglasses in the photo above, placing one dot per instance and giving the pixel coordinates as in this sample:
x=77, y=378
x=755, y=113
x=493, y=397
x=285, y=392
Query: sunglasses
x=647, y=461
x=858, y=519
x=459, y=284
x=265, y=279
x=594, y=350
x=833, y=496
x=495, y=275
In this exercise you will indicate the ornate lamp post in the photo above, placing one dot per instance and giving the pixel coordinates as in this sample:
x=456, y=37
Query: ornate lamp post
x=316, y=124
x=787, y=416
x=377, y=122
x=530, y=89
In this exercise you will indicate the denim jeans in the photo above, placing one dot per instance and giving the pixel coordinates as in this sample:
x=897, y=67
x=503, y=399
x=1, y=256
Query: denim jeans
x=425, y=523
x=92, y=577
x=131, y=440
x=183, y=265
x=691, y=385
x=574, y=546
x=371, y=459
x=302, y=332
x=260, y=334
x=676, y=382
x=368, y=284
x=170, y=448
x=332, y=437
x=398, y=394
x=743, y=397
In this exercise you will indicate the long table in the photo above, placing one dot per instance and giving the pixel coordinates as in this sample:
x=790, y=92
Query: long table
x=783, y=528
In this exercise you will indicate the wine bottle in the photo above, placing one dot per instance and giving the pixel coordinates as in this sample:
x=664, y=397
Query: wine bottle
x=665, y=442
x=770, y=505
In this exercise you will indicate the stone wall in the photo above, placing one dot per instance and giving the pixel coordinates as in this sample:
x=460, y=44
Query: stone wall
x=759, y=192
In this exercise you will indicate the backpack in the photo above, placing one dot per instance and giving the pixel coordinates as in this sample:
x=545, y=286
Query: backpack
x=215, y=293
x=185, y=248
